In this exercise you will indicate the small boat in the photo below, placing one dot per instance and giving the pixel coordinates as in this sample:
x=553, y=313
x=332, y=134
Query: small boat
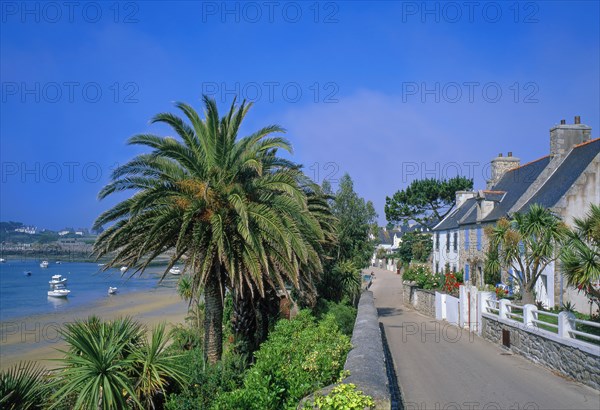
x=44, y=264
x=57, y=280
x=100, y=264
x=2, y=260
x=27, y=273
x=58, y=262
x=112, y=290
x=58, y=291
x=123, y=269
x=175, y=271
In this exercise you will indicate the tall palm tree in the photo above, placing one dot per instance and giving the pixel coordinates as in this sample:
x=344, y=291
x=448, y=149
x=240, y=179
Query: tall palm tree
x=581, y=258
x=232, y=206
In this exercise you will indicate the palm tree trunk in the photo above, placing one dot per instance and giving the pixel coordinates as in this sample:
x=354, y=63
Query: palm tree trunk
x=213, y=319
x=243, y=322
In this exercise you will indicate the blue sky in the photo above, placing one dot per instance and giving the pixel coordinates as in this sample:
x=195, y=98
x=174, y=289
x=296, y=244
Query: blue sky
x=386, y=91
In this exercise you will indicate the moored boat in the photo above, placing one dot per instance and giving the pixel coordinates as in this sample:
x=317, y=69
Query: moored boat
x=112, y=290
x=175, y=271
x=123, y=269
x=58, y=291
x=44, y=264
x=57, y=279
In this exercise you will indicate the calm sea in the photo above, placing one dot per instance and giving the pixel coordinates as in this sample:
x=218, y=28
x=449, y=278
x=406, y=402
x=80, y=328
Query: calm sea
x=22, y=295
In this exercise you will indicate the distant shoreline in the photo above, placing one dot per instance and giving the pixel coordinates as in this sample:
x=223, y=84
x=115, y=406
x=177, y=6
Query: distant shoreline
x=36, y=337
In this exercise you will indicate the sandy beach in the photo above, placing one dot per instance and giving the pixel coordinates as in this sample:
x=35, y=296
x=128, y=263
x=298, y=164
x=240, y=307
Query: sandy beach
x=36, y=337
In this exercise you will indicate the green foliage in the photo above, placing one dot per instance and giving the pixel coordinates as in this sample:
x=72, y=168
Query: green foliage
x=206, y=382
x=423, y=277
x=345, y=315
x=23, y=386
x=342, y=281
x=581, y=257
x=415, y=247
x=425, y=201
x=300, y=356
x=355, y=218
x=343, y=397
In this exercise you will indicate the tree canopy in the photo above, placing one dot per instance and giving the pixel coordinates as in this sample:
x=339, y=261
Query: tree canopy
x=425, y=201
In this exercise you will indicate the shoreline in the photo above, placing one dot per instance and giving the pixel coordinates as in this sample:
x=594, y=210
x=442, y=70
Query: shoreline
x=36, y=337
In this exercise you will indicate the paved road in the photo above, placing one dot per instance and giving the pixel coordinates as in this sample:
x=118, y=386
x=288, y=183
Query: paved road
x=441, y=368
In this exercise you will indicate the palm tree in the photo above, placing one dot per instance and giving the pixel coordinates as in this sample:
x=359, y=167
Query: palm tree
x=23, y=386
x=97, y=365
x=527, y=244
x=581, y=258
x=113, y=365
x=236, y=210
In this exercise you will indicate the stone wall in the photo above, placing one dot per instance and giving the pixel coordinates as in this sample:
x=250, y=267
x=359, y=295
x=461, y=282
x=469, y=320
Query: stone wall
x=419, y=299
x=577, y=360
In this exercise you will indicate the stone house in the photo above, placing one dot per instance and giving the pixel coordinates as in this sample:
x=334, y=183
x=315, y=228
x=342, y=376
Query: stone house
x=566, y=181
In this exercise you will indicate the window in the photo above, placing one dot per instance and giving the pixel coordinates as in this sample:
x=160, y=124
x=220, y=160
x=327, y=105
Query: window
x=466, y=278
x=437, y=241
x=453, y=268
x=455, y=241
x=479, y=238
x=448, y=241
x=437, y=267
x=467, y=244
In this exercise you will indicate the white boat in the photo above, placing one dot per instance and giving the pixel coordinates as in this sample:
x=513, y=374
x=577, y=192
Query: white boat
x=2, y=260
x=58, y=291
x=112, y=290
x=44, y=264
x=58, y=262
x=57, y=280
x=123, y=269
x=175, y=271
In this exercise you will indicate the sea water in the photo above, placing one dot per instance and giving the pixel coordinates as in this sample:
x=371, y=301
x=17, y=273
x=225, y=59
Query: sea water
x=22, y=295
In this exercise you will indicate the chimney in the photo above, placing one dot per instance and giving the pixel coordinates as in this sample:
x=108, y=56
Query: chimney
x=564, y=136
x=462, y=196
x=499, y=166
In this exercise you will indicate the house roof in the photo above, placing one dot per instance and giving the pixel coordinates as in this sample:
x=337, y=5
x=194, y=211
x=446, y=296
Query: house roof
x=386, y=237
x=451, y=221
x=514, y=183
x=563, y=178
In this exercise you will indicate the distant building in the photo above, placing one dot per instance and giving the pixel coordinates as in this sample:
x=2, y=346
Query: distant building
x=566, y=181
x=30, y=230
x=63, y=233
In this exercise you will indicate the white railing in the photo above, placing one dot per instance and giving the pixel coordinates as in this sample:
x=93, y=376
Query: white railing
x=530, y=318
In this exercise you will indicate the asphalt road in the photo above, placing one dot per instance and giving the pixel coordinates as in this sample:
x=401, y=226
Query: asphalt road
x=440, y=367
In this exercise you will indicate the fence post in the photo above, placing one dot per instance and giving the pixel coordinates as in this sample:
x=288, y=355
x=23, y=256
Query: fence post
x=529, y=315
x=503, y=308
x=566, y=323
x=482, y=298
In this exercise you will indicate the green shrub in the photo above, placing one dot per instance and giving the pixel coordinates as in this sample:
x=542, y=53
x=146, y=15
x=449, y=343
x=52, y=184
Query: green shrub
x=343, y=397
x=299, y=357
x=423, y=277
x=206, y=381
x=345, y=315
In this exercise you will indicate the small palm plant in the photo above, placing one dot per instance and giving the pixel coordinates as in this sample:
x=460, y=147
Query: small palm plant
x=23, y=386
x=112, y=365
x=154, y=368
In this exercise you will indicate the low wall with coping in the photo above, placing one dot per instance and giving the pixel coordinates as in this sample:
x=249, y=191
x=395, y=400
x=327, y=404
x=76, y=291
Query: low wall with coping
x=419, y=299
x=366, y=360
x=572, y=358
